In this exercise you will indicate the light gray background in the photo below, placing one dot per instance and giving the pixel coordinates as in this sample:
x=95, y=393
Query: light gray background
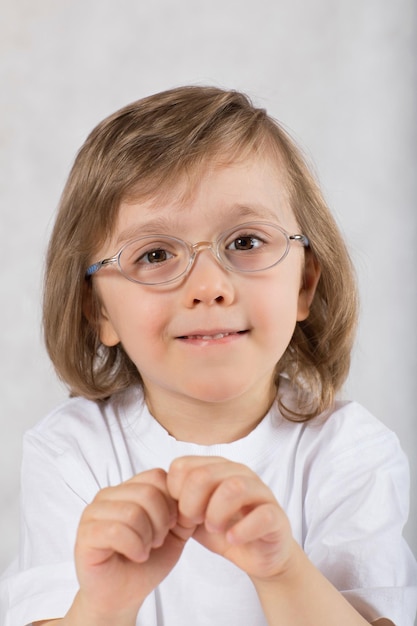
x=339, y=73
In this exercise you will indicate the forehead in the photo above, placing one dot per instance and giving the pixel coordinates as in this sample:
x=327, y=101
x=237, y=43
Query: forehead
x=217, y=196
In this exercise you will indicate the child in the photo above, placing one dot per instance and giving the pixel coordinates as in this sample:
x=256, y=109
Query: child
x=200, y=305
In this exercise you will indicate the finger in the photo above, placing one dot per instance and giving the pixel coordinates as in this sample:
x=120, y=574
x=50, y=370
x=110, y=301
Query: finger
x=266, y=522
x=140, y=505
x=234, y=497
x=193, y=480
x=156, y=477
x=99, y=540
x=149, y=515
x=181, y=467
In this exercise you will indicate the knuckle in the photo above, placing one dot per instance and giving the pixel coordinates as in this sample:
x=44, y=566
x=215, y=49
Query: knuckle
x=148, y=492
x=155, y=476
x=159, y=473
x=112, y=529
x=178, y=465
x=103, y=494
x=235, y=485
x=131, y=513
x=199, y=476
x=269, y=514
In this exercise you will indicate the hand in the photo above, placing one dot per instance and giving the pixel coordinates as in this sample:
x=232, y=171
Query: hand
x=236, y=515
x=128, y=541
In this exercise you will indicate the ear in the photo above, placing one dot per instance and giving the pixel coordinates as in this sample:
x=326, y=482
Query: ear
x=310, y=279
x=107, y=332
x=98, y=317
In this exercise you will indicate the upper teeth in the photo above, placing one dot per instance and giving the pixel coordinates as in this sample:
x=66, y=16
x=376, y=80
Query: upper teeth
x=218, y=336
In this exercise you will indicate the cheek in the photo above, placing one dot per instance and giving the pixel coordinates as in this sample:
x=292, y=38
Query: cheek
x=143, y=319
x=276, y=301
x=142, y=326
x=136, y=319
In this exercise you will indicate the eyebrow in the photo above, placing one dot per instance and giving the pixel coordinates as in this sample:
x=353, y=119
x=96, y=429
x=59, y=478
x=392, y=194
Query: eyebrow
x=159, y=225
x=168, y=225
x=256, y=212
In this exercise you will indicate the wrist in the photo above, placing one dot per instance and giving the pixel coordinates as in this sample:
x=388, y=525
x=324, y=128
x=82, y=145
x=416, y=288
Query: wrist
x=287, y=574
x=299, y=595
x=83, y=612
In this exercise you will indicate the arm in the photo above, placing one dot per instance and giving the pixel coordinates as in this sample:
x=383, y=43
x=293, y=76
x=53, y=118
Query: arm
x=304, y=596
x=128, y=540
x=239, y=518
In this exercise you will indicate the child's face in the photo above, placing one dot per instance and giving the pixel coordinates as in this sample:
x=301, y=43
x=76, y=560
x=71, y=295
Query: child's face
x=216, y=335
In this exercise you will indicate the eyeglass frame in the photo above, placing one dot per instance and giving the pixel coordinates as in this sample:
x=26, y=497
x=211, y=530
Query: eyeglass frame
x=194, y=249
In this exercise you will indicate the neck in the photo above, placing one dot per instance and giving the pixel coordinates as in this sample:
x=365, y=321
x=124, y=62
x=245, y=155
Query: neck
x=209, y=423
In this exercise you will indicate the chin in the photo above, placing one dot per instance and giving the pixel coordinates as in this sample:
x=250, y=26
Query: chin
x=217, y=393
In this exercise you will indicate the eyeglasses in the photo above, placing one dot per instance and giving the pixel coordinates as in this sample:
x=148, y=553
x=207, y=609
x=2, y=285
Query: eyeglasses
x=160, y=259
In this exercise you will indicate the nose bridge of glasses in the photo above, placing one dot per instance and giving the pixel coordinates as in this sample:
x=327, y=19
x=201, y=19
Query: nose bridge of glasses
x=200, y=246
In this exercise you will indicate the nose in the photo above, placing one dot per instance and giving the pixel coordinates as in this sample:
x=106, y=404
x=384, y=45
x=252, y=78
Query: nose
x=208, y=281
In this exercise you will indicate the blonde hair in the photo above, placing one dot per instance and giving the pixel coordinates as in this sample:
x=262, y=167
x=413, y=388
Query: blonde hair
x=146, y=147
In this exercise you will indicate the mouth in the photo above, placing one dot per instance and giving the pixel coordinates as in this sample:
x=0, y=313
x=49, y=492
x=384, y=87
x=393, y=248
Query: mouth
x=213, y=336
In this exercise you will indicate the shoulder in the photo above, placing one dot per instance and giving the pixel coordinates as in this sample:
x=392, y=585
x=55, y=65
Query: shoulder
x=346, y=438
x=350, y=442
x=79, y=422
x=82, y=444
x=351, y=453
x=351, y=430
x=347, y=427
x=356, y=502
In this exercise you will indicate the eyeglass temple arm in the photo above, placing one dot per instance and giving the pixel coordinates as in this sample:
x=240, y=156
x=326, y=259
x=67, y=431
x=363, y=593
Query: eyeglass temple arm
x=97, y=266
x=301, y=238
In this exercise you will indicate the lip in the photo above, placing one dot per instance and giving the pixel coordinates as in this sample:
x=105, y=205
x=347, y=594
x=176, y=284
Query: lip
x=213, y=336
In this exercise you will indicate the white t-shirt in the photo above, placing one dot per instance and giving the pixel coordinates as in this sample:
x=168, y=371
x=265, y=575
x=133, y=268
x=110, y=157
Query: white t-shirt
x=343, y=483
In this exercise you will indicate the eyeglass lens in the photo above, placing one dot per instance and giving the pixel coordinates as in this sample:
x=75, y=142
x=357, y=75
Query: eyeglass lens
x=248, y=248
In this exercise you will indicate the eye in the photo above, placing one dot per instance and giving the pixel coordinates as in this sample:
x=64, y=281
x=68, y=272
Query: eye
x=245, y=243
x=155, y=256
